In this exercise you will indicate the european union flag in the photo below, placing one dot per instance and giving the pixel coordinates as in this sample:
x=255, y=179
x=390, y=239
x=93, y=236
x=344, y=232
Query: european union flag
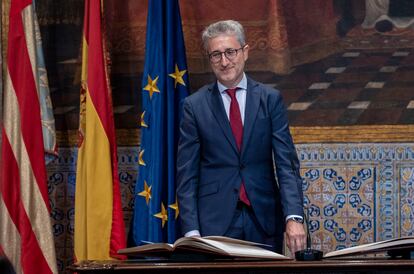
x=164, y=86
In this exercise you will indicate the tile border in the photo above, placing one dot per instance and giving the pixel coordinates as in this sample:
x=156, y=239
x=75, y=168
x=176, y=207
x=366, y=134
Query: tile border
x=353, y=134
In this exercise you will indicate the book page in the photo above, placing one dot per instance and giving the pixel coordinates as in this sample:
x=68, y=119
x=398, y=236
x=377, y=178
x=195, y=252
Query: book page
x=398, y=243
x=155, y=247
x=232, y=240
x=243, y=250
x=212, y=245
x=197, y=244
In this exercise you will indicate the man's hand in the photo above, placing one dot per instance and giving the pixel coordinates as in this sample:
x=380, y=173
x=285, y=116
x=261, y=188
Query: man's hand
x=295, y=236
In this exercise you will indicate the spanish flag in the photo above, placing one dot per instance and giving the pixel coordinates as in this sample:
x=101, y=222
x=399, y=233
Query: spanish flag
x=99, y=225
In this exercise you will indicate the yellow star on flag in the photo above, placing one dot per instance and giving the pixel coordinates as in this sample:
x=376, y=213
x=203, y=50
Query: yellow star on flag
x=162, y=215
x=140, y=158
x=143, y=124
x=146, y=192
x=178, y=76
x=151, y=87
x=174, y=206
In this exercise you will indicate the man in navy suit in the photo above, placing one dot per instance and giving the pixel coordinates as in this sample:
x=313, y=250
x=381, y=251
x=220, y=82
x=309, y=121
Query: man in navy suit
x=234, y=138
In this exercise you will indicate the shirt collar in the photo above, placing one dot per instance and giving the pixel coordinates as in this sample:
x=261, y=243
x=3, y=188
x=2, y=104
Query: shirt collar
x=241, y=85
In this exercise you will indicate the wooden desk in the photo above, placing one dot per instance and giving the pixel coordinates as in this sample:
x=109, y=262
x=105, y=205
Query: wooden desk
x=365, y=266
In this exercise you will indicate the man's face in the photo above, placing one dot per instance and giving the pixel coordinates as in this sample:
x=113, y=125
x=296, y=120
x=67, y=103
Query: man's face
x=229, y=71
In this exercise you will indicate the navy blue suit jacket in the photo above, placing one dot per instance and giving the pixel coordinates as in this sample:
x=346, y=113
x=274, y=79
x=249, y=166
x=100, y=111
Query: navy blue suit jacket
x=210, y=167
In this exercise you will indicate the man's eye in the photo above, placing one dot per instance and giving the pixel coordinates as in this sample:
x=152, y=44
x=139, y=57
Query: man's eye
x=215, y=54
x=230, y=51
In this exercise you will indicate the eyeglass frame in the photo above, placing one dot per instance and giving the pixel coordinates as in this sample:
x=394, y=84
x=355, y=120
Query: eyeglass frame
x=210, y=55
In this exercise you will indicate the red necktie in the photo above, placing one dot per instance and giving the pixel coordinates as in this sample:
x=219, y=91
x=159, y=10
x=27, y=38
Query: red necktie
x=237, y=128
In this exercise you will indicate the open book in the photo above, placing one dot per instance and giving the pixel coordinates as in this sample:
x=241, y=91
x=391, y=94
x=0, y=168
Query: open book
x=214, y=245
x=382, y=246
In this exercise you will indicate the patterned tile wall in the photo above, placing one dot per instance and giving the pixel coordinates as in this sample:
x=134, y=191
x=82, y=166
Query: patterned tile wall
x=358, y=193
x=355, y=193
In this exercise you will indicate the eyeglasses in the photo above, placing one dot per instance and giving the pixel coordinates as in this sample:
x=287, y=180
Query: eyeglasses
x=230, y=54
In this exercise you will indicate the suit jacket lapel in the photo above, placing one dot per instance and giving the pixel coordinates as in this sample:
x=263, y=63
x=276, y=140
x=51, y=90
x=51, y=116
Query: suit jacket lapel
x=252, y=107
x=217, y=108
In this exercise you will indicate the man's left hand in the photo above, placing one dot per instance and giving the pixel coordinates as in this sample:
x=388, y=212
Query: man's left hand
x=295, y=236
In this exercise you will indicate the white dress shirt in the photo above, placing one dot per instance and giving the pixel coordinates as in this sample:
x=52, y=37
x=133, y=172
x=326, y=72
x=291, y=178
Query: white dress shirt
x=240, y=96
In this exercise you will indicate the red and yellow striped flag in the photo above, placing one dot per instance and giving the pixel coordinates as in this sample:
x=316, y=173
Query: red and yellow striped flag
x=25, y=227
x=99, y=225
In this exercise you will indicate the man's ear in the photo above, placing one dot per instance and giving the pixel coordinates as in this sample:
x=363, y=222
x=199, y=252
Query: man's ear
x=246, y=52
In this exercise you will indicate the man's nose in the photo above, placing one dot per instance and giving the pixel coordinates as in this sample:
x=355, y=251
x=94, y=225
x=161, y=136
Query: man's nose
x=224, y=60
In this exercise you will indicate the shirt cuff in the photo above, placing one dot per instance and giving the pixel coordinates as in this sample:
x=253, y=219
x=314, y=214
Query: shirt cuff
x=293, y=216
x=192, y=233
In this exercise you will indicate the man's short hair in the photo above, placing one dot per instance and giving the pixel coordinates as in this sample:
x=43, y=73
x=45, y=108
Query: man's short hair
x=226, y=27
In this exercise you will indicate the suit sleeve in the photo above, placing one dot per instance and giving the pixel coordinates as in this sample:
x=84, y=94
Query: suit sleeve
x=286, y=160
x=188, y=159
